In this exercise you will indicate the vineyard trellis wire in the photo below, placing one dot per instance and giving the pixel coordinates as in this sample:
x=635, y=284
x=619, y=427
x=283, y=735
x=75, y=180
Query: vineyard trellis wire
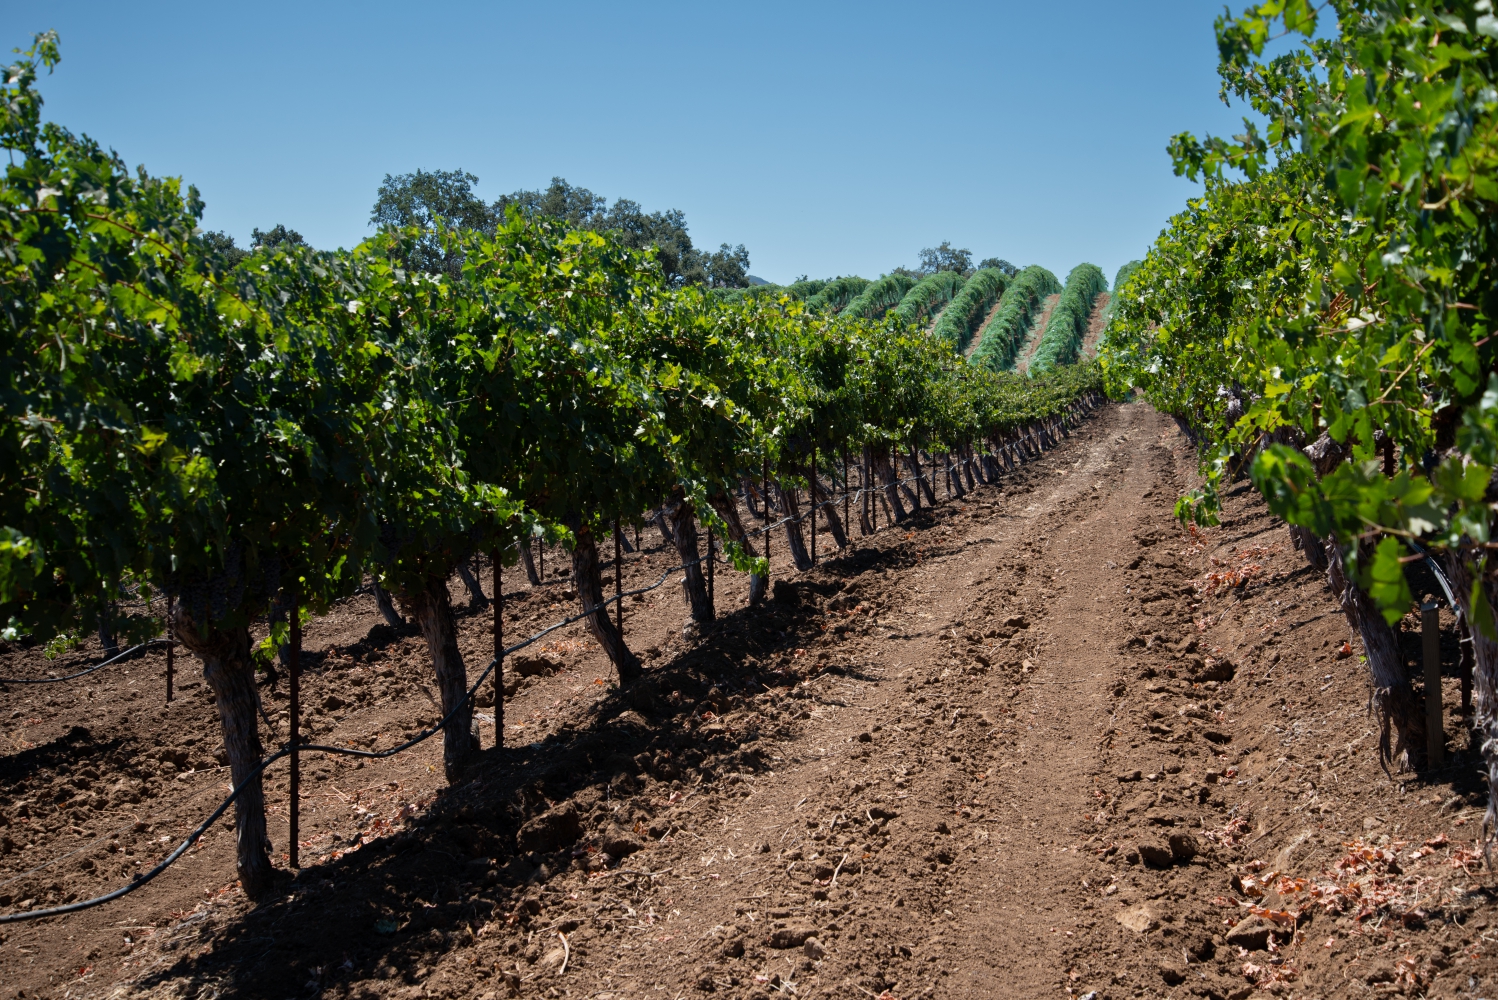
x=293, y=750
x=298, y=421
x=1321, y=320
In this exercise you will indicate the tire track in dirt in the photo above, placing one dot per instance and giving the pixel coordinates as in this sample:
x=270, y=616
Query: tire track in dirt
x=935, y=765
x=1045, y=779
x=967, y=896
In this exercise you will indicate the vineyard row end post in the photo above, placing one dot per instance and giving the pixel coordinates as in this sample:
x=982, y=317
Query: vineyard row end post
x=1435, y=733
x=618, y=580
x=294, y=668
x=811, y=498
x=499, y=651
x=171, y=646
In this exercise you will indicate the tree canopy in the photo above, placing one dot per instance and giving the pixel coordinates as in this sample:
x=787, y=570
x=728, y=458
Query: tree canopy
x=432, y=200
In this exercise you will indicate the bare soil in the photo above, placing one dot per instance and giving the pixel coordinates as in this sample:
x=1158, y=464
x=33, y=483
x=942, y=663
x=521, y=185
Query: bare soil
x=977, y=337
x=1039, y=743
x=1096, y=323
x=1037, y=331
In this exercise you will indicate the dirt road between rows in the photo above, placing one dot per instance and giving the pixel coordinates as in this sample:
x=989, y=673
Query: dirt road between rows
x=1037, y=742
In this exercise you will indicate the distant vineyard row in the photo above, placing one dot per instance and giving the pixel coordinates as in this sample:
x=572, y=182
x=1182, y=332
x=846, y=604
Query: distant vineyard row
x=254, y=437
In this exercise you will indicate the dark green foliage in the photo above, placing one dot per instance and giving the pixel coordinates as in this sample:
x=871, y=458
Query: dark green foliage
x=1006, y=331
x=577, y=207
x=960, y=320
x=837, y=293
x=929, y=296
x=1062, y=340
x=880, y=297
x=728, y=267
x=428, y=200
x=221, y=245
x=278, y=238
x=998, y=264
x=665, y=232
x=946, y=258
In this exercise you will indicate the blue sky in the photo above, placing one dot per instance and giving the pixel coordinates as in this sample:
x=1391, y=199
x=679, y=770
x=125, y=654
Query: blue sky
x=827, y=138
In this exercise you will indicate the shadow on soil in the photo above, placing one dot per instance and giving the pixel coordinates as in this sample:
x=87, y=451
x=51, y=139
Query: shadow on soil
x=490, y=848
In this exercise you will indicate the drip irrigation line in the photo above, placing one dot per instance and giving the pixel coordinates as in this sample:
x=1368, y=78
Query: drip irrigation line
x=1435, y=568
x=203, y=827
x=88, y=670
x=285, y=751
x=104, y=836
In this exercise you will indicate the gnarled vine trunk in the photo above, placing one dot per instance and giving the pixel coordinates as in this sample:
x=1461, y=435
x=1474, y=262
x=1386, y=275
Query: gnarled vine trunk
x=476, y=599
x=885, y=472
x=953, y=468
x=432, y=609
x=793, y=537
x=834, y=523
x=107, y=640
x=386, y=605
x=922, y=482
x=1400, y=711
x=659, y=517
x=528, y=560
x=724, y=504
x=589, y=580
x=230, y=674
x=751, y=500
x=694, y=582
x=1484, y=677
x=1312, y=547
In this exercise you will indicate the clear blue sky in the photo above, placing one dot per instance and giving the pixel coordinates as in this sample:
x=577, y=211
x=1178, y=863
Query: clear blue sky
x=827, y=138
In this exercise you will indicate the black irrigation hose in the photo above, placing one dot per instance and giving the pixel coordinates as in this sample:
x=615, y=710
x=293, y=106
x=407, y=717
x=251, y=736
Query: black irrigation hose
x=202, y=828
x=1440, y=576
x=88, y=670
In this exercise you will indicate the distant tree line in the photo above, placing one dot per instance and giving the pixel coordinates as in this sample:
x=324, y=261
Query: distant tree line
x=428, y=199
x=934, y=260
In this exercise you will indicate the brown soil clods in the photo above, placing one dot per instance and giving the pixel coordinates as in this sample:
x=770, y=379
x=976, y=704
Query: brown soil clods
x=1042, y=743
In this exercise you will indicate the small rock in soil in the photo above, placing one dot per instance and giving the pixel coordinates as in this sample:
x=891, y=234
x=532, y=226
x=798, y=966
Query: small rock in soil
x=1253, y=934
x=1155, y=856
x=1183, y=847
x=1139, y=919
x=790, y=937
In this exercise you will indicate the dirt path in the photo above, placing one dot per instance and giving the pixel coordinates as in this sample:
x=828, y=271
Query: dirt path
x=1037, y=332
x=1096, y=323
x=977, y=337
x=952, y=761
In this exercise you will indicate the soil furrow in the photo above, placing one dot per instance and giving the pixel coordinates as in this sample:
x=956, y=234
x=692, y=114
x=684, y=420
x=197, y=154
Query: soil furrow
x=1037, y=742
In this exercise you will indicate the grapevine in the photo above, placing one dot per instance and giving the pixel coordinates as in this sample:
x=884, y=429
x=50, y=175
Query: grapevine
x=1321, y=317
x=259, y=439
